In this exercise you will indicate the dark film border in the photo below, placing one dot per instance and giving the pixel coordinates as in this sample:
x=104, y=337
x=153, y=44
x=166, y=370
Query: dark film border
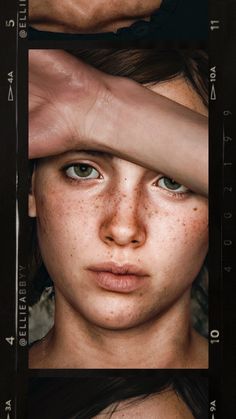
x=222, y=226
x=216, y=30
x=23, y=235
x=8, y=98
x=228, y=214
x=222, y=316
x=14, y=331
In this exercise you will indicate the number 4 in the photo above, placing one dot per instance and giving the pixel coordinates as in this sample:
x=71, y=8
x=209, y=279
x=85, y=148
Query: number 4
x=10, y=340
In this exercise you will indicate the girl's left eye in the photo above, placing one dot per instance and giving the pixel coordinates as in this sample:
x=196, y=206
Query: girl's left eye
x=82, y=171
x=171, y=186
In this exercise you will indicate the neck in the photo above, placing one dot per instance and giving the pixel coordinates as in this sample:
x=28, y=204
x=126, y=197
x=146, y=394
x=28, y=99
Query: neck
x=163, y=342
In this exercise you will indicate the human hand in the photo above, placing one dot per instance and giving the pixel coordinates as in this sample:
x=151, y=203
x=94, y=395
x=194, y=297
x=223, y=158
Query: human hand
x=66, y=98
x=75, y=106
x=83, y=16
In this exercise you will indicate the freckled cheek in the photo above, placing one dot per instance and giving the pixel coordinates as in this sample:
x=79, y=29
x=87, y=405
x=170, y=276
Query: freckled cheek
x=180, y=226
x=62, y=216
x=195, y=234
x=196, y=224
x=197, y=227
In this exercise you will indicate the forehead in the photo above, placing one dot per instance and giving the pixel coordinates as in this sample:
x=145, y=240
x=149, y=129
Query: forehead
x=180, y=90
x=164, y=405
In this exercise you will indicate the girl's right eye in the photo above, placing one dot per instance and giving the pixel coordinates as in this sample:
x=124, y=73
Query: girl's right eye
x=82, y=171
x=171, y=186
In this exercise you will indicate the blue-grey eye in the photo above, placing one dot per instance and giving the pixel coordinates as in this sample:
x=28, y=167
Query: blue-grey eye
x=82, y=170
x=171, y=185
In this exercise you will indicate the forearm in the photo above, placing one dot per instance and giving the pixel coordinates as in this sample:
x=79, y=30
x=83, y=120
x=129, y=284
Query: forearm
x=158, y=133
x=73, y=105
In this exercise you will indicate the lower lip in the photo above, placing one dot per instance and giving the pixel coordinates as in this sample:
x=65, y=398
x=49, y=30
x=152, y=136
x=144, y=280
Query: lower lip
x=118, y=283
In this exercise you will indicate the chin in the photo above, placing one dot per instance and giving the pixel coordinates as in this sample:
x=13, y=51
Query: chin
x=114, y=319
x=114, y=325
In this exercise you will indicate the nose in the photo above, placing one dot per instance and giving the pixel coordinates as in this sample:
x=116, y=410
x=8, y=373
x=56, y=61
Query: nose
x=122, y=225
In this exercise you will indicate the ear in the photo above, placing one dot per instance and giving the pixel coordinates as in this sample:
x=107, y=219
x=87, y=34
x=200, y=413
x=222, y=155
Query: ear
x=32, y=211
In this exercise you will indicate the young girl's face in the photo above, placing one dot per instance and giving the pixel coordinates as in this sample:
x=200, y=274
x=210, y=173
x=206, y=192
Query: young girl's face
x=122, y=243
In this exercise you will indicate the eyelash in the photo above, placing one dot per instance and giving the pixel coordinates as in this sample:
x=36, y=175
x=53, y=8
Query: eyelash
x=172, y=192
x=78, y=178
x=81, y=178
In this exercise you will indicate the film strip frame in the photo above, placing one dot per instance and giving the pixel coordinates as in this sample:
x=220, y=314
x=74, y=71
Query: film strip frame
x=14, y=85
x=14, y=324
x=215, y=164
x=222, y=209
x=228, y=112
x=8, y=213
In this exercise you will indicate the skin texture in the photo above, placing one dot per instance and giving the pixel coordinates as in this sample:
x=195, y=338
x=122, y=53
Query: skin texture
x=142, y=223
x=74, y=106
x=81, y=16
x=166, y=405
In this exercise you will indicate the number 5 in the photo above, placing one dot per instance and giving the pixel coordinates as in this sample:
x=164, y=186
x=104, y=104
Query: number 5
x=10, y=23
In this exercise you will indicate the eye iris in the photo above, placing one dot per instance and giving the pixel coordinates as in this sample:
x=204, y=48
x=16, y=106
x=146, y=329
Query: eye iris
x=83, y=170
x=171, y=184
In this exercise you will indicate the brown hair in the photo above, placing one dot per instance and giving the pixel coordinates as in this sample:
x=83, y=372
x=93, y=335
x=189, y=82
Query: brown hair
x=150, y=66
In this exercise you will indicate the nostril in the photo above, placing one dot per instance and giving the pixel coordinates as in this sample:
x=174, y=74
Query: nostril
x=109, y=238
x=134, y=241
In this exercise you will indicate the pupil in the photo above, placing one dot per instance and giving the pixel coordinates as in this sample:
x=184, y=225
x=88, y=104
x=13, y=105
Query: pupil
x=170, y=183
x=83, y=169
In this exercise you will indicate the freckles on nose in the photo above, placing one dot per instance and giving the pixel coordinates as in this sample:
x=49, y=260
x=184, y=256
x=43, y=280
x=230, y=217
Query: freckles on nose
x=121, y=223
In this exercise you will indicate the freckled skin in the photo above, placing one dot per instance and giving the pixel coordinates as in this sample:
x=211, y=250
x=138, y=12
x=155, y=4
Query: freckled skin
x=139, y=224
x=125, y=217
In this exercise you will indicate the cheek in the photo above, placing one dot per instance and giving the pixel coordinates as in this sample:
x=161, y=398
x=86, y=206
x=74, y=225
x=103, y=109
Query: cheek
x=194, y=225
x=178, y=247
x=190, y=229
x=196, y=230
x=180, y=229
x=66, y=219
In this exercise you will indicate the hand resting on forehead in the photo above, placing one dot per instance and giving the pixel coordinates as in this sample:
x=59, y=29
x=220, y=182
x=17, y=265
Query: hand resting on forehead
x=75, y=106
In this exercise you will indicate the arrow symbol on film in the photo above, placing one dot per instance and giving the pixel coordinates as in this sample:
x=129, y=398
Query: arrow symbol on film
x=10, y=99
x=213, y=92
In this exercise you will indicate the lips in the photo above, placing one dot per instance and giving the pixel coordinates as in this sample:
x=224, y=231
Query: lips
x=118, y=278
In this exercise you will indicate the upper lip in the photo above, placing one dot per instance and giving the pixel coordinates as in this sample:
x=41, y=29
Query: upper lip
x=117, y=269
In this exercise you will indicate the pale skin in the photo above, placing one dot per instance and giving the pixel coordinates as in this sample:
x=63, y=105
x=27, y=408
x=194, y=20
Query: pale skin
x=165, y=405
x=82, y=16
x=105, y=102
x=143, y=222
